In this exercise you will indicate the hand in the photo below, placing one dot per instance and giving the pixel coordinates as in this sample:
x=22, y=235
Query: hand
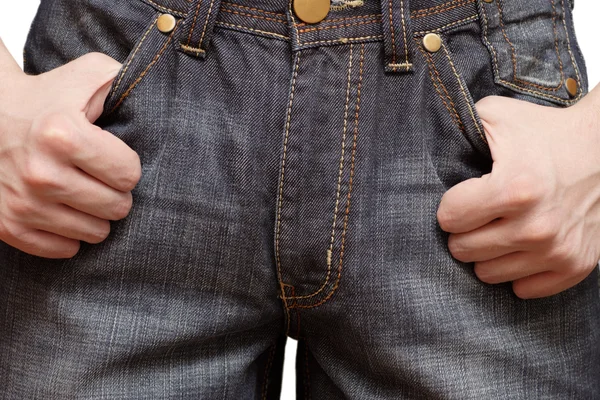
x=535, y=219
x=62, y=179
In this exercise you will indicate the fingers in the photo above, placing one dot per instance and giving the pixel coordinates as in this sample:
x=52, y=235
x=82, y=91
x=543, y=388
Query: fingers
x=510, y=267
x=69, y=223
x=545, y=284
x=469, y=205
x=42, y=244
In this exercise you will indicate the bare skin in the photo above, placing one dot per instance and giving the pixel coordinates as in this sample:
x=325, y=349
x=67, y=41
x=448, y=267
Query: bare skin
x=62, y=179
x=534, y=220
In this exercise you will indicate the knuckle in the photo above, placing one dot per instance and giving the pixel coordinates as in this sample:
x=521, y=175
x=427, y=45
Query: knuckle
x=19, y=207
x=53, y=132
x=485, y=274
x=446, y=219
x=101, y=233
x=458, y=250
x=522, y=192
x=36, y=175
x=122, y=207
x=541, y=231
x=521, y=291
x=69, y=250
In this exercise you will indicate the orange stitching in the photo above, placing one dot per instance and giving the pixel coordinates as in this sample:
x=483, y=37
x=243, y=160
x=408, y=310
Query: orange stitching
x=265, y=384
x=392, y=32
x=252, y=29
x=193, y=49
x=452, y=111
x=338, y=26
x=404, y=33
x=161, y=7
x=124, y=71
x=339, y=184
x=252, y=16
x=575, y=66
x=520, y=88
x=194, y=22
x=464, y=94
x=342, y=40
x=252, y=9
x=206, y=22
x=372, y=16
x=441, y=28
x=429, y=11
x=280, y=194
x=350, y=184
x=143, y=74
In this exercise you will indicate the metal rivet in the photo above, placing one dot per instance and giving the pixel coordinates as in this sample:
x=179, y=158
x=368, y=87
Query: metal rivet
x=166, y=23
x=489, y=1
x=312, y=11
x=572, y=86
x=432, y=42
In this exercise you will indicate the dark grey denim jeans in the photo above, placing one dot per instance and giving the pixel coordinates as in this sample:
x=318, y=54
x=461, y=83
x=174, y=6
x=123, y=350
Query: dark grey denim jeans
x=291, y=177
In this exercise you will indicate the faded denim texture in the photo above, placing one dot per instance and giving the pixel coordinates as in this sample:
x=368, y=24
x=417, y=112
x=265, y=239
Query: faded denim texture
x=291, y=177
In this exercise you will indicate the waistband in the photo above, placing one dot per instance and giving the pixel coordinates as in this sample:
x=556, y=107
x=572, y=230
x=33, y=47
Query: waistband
x=395, y=22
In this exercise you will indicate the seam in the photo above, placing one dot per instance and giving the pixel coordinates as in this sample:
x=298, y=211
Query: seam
x=390, y=10
x=143, y=74
x=179, y=13
x=450, y=106
x=280, y=192
x=350, y=185
x=124, y=71
x=404, y=33
x=277, y=35
x=227, y=4
x=243, y=14
x=208, y=14
x=440, y=9
x=514, y=54
x=575, y=66
x=321, y=28
x=462, y=89
x=194, y=22
x=512, y=85
x=265, y=385
x=372, y=16
x=339, y=183
x=342, y=40
x=451, y=24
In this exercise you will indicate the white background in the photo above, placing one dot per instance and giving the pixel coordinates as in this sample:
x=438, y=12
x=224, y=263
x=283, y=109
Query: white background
x=16, y=17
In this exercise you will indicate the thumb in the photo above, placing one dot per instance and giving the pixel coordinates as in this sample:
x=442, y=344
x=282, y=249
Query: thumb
x=84, y=83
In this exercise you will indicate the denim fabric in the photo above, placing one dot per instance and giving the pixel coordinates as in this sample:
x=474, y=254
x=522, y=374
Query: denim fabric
x=290, y=187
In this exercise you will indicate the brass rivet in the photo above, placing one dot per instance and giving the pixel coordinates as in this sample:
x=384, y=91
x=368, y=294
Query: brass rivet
x=489, y=1
x=432, y=42
x=312, y=11
x=166, y=23
x=572, y=86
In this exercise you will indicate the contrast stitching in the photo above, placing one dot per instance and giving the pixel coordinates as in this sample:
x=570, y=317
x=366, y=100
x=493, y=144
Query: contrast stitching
x=390, y=10
x=252, y=29
x=575, y=66
x=253, y=16
x=451, y=109
x=281, y=182
x=208, y=14
x=399, y=66
x=404, y=33
x=193, y=49
x=452, y=24
x=339, y=183
x=372, y=16
x=343, y=40
x=124, y=71
x=350, y=185
x=512, y=85
x=253, y=9
x=320, y=28
x=265, y=385
x=514, y=54
x=462, y=89
x=163, y=8
x=441, y=8
x=194, y=22
x=294, y=24
x=143, y=74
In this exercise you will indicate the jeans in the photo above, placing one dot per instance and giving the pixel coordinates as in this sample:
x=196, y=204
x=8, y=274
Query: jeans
x=291, y=177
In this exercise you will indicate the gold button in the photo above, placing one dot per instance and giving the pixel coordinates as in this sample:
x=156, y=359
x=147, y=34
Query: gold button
x=432, y=42
x=572, y=86
x=312, y=11
x=166, y=23
x=488, y=1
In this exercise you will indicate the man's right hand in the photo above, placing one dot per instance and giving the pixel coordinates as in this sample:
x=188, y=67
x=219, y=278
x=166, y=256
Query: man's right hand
x=62, y=179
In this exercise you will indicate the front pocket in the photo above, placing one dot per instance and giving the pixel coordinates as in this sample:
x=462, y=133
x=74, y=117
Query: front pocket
x=455, y=95
x=530, y=46
x=141, y=61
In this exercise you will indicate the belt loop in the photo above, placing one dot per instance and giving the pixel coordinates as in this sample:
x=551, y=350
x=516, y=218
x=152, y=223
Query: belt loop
x=397, y=35
x=198, y=27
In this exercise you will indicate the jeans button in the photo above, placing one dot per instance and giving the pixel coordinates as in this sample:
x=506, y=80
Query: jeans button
x=312, y=11
x=572, y=86
x=166, y=23
x=432, y=42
